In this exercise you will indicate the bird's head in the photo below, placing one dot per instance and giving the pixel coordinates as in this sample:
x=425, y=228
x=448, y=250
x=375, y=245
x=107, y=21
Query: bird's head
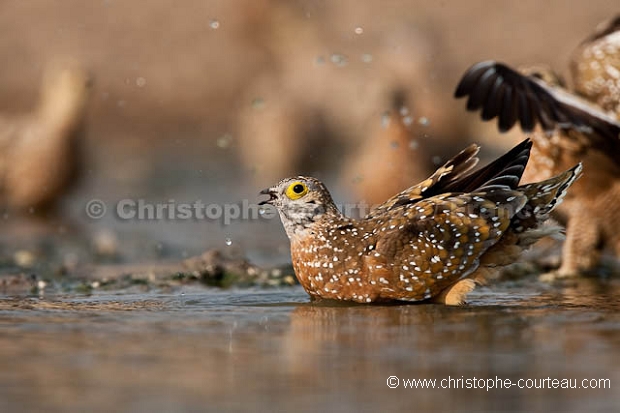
x=301, y=201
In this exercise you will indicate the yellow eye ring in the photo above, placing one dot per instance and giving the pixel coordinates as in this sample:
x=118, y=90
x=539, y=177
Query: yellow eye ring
x=296, y=190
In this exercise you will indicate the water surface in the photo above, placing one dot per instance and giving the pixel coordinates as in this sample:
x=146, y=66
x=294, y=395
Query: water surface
x=199, y=349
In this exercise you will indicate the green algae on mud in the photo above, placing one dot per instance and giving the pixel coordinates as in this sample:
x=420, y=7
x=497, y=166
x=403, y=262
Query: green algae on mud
x=211, y=269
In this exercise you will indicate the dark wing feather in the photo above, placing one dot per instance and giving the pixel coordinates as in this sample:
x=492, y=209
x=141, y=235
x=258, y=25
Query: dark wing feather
x=455, y=177
x=505, y=172
x=451, y=171
x=495, y=95
x=512, y=96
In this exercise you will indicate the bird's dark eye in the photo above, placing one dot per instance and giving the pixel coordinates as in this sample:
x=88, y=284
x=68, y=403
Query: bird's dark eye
x=298, y=189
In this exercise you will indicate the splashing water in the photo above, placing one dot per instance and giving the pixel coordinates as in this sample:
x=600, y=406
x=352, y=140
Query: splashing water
x=224, y=141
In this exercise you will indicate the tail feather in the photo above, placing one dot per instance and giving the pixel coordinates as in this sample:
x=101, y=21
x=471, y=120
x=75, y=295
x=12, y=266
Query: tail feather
x=543, y=197
x=526, y=227
x=550, y=193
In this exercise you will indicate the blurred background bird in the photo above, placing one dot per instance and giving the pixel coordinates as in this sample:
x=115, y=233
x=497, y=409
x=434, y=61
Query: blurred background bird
x=326, y=105
x=578, y=124
x=39, y=151
x=595, y=67
x=389, y=158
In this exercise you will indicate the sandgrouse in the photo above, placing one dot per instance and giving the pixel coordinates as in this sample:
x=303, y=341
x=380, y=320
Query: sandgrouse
x=580, y=125
x=39, y=150
x=433, y=241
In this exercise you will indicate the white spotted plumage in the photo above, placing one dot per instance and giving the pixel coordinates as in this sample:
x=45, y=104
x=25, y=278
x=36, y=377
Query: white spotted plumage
x=416, y=246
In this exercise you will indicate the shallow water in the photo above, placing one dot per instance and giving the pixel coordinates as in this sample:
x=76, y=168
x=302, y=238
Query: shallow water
x=271, y=350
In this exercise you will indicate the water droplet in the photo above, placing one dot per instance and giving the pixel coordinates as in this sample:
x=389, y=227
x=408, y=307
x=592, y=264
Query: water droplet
x=228, y=242
x=182, y=293
x=320, y=60
x=424, y=121
x=261, y=211
x=140, y=82
x=359, y=30
x=437, y=160
x=413, y=144
x=386, y=118
x=404, y=111
x=224, y=141
x=258, y=103
x=339, y=59
x=394, y=144
x=214, y=24
x=366, y=58
x=408, y=120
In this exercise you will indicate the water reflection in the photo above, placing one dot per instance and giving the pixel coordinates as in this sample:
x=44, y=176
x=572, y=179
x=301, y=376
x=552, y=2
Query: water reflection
x=243, y=350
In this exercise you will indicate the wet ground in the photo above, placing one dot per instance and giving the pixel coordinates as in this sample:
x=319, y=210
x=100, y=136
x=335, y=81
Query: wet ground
x=204, y=349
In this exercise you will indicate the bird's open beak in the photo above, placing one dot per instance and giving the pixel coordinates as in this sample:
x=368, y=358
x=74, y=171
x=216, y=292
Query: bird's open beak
x=272, y=196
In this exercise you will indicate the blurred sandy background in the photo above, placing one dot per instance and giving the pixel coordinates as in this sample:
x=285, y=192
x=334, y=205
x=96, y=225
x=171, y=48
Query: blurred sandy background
x=188, y=96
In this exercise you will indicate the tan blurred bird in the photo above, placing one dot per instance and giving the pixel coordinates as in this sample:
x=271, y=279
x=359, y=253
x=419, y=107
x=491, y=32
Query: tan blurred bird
x=38, y=150
x=389, y=159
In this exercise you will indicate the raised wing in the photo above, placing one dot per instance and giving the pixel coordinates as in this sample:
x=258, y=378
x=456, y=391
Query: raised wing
x=451, y=171
x=503, y=173
x=511, y=96
x=455, y=177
